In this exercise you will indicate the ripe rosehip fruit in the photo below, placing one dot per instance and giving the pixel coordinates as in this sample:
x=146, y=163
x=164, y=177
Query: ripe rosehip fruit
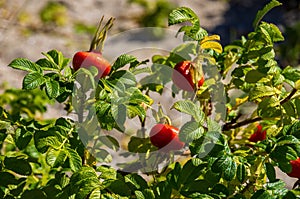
x=165, y=137
x=182, y=76
x=295, y=173
x=258, y=135
x=86, y=59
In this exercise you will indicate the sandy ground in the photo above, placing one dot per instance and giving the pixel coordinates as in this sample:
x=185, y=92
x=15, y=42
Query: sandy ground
x=16, y=43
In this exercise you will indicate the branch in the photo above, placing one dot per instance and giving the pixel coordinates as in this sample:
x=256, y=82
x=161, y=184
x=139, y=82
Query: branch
x=288, y=97
x=229, y=126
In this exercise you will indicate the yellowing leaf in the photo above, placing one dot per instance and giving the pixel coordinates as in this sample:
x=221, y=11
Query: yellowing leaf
x=210, y=38
x=297, y=84
x=216, y=46
x=239, y=101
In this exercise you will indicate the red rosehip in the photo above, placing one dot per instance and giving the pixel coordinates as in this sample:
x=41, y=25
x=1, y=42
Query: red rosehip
x=86, y=59
x=165, y=137
x=93, y=57
x=295, y=173
x=182, y=76
x=258, y=135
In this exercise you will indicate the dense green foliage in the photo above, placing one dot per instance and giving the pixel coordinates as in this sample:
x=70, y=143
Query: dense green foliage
x=50, y=158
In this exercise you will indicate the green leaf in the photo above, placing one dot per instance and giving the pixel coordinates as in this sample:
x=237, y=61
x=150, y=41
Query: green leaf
x=102, y=107
x=289, y=109
x=110, y=142
x=230, y=171
x=145, y=194
x=294, y=129
x=190, y=108
x=56, y=57
x=261, y=13
x=137, y=97
x=47, y=65
x=23, y=137
x=164, y=189
x=137, y=71
x=34, y=193
x=213, y=126
x=270, y=172
x=287, y=139
x=123, y=77
x=284, y=152
x=282, y=155
x=277, y=184
x=96, y=194
x=254, y=76
x=75, y=160
x=190, y=171
x=262, y=194
x=262, y=91
x=200, y=196
x=291, y=74
x=215, y=150
x=172, y=176
x=193, y=33
x=25, y=64
x=191, y=131
x=122, y=60
x=83, y=182
x=139, y=145
x=226, y=165
x=136, y=182
x=136, y=110
x=241, y=172
x=45, y=139
x=182, y=14
x=220, y=190
x=7, y=179
x=56, y=158
x=119, y=187
x=33, y=80
x=107, y=173
x=52, y=88
x=269, y=107
x=119, y=114
x=103, y=156
x=297, y=104
x=18, y=165
x=198, y=186
x=3, y=136
x=271, y=33
x=221, y=164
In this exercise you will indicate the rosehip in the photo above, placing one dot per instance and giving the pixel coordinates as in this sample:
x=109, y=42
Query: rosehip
x=295, y=173
x=258, y=135
x=86, y=59
x=182, y=76
x=165, y=137
x=93, y=57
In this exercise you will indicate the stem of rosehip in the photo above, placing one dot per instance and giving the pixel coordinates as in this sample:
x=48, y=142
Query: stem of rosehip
x=162, y=117
x=167, y=120
x=100, y=35
x=197, y=70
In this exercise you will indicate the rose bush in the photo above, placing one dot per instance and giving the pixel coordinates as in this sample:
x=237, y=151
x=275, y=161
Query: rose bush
x=54, y=158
